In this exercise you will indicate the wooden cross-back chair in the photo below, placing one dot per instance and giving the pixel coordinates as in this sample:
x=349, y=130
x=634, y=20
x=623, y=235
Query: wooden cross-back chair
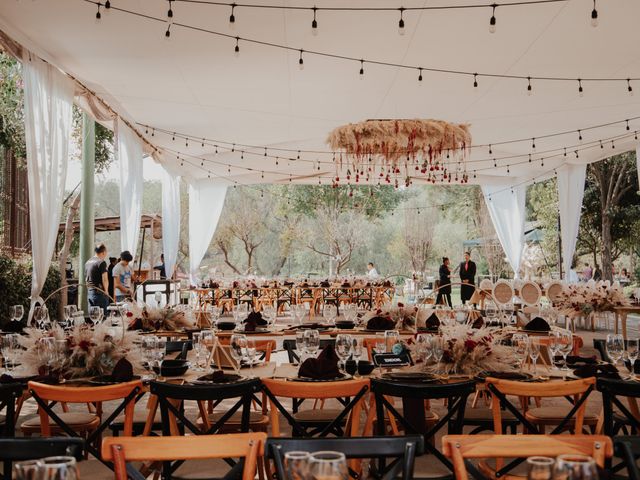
x=46, y=396
x=628, y=449
x=618, y=416
x=461, y=448
x=570, y=418
x=402, y=451
x=246, y=447
x=21, y=449
x=413, y=418
x=10, y=397
x=317, y=422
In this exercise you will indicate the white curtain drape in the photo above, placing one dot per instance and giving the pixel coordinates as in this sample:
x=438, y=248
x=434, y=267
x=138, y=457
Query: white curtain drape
x=205, y=206
x=570, y=193
x=170, y=220
x=48, y=101
x=507, y=210
x=129, y=155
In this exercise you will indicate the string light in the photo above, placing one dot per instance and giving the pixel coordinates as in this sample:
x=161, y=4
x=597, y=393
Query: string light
x=236, y=50
x=475, y=80
x=579, y=135
x=420, y=75
x=629, y=89
x=107, y=5
x=628, y=128
x=529, y=89
x=361, y=69
x=314, y=23
x=232, y=17
x=301, y=61
x=167, y=34
x=401, y=22
x=98, y=14
x=490, y=151
x=594, y=15
x=533, y=143
x=492, y=21
x=580, y=89
x=170, y=11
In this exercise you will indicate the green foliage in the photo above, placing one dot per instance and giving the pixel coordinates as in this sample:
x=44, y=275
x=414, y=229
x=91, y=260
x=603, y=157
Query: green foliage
x=104, y=141
x=15, y=285
x=542, y=206
x=11, y=106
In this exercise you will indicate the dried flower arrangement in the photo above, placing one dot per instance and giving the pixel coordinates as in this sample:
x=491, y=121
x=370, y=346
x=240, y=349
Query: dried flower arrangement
x=404, y=318
x=581, y=299
x=167, y=318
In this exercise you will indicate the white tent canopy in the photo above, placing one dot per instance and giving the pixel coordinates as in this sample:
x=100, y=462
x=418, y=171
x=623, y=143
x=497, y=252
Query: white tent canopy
x=195, y=85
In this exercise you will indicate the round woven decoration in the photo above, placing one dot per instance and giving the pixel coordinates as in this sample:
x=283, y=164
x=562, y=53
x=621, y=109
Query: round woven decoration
x=530, y=293
x=554, y=290
x=502, y=292
x=486, y=284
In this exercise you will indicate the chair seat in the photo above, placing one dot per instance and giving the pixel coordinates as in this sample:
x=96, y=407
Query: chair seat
x=255, y=418
x=482, y=414
x=317, y=415
x=74, y=420
x=554, y=415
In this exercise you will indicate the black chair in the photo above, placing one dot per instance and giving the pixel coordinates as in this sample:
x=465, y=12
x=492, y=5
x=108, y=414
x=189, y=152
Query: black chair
x=402, y=450
x=173, y=416
x=413, y=418
x=628, y=449
x=21, y=449
x=617, y=415
x=9, y=395
x=600, y=344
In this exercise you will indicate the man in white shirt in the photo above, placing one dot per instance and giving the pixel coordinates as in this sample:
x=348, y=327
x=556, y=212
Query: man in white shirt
x=122, y=277
x=371, y=271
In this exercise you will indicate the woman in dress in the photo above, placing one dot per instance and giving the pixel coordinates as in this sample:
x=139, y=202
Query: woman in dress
x=444, y=293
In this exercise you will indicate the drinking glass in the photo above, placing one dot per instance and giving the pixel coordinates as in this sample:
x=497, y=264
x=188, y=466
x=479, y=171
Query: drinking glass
x=300, y=347
x=554, y=347
x=343, y=348
x=575, y=467
x=357, y=349
x=391, y=337
x=196, y=341
x=207, y=339
x=633, y=348
x=491, y=312
x=215, y=313
x=17, y=312
x=350, y=312
x=46, y=350
x=330, y=312
x=296, y=464
x=10, y=347
x=238, y=347
x=66, y=314
x=59, y=468
x=615, y=347
x=311, y=341
x=95, y=314
x=28, y=470
x=328, y=465
x=540, y=468
x=250, y=352
x=565, y=339
x=270, y=314
x=437, y=349
x=240, y=312
x=520, y=343
x=423, y=347
x=534, y=354
x=41, y=316
x=161, y=351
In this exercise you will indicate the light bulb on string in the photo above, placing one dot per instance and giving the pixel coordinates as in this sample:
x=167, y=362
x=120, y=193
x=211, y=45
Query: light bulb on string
x=628, y=128
x=490, y=150
x=167, y=34
x=401, y=22
x=420, y=76
x=170, y=11
x=529, y=89
x=629, y=88
x=533, y=143
x=314, y=22
x=301, y=61
x=236, y=50
x=492, y=21
x=475, y=80
x=594, y=15
x=580, y=89
x=98, y=14
x=361, y=69
x=107, y=6
x=579, y=135
x=232, y=17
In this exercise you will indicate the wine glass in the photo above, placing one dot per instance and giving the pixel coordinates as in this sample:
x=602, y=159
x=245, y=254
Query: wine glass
x=520, y=343
x=250, y=352
x=633, y=348
x=160, y=352
x=615, y=347
x=28, y=470
x=238, y=313
x=300, y=344
x=423, y=347
x=17, y=312
x=534, y=354
x=196, y=342
x=350, y=312
x=238, y=347
x=330, y=312
x=328, y=465
x=391, y=337
x=95, y=314
x=575, y=467
x=270, y=314
x=540, y=468
x=343, y=347
x=41, y=316
x=296, y=464
x=10, y=347
x=357, y=349
x=554, y=347
x=565, y=344
x=59, y=468
x=311, y=341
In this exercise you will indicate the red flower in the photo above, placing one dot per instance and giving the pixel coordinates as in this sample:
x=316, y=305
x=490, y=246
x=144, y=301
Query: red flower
x=469, y=345
x=129, y=314
x=85, y=345
x=400, y=305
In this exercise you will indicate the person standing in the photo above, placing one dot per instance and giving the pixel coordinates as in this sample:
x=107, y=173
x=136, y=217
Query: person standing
x=467, y=277
x=160, y=267
x=587, y=273
x=97, y=279
x=444, y=291
x=597, y=273
x=371, y=271
x=122, y=277
x=112, y=263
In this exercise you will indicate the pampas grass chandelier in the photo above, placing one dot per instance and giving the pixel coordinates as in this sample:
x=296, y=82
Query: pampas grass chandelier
x=433, y=149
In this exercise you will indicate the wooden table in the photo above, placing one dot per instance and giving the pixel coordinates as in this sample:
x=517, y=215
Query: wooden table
x=621, y=313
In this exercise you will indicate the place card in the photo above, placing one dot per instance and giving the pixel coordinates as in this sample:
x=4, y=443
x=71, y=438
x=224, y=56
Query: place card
x=392, y=360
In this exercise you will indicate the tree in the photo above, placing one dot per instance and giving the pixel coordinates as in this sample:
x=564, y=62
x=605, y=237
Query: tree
x=417, y=233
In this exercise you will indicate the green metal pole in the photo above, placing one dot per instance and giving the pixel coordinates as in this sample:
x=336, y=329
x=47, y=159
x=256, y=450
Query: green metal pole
x=87, y=203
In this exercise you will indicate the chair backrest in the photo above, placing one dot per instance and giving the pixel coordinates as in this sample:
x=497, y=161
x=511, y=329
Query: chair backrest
x=21, y=449
x=486, y=284
x=553, y=290
x=402, y=449
x=9, y=395
x=459, y=448
x=171, y=399
x=119, y=450
x=628, y=449
x=579, y=389
x=177, y=345
x=613, y=393
x=600, y=344
x=354, y=389
x=290, y=346
x=126, y=391
x=502, y=292
x=530, y=293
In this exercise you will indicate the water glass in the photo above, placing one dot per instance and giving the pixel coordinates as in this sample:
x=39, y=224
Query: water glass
x=17, y=312
x=357, y=348
x=28, y=470
x=423, y=347
x=575, y=467
x=391, y=337
x=10, y=347
x=534, y=354
x=41, y=316
x=330, y=312
x=437, y=348
x=343, y=348
x=95, y=314
x=520, y=344
x=350, y=312
x=633, y=348
x=615, y=347
x=311, y=341
x=540, y=468
x=300, y=346
x=565, y=345
x=270, y=313
x=328, y=465
x=250, y=352
x=296, y=464
x=238, y=347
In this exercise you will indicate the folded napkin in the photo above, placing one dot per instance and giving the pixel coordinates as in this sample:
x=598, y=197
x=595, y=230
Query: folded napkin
x=606, y=371
x=48, y=379
x=325, y=284
x=537, y=325
x=381, y=323
x=576, y=359
x=253, y=321
x=433, y=322
x=13, y=327
x=325, y=367
x=478, y=322
x=122, y=371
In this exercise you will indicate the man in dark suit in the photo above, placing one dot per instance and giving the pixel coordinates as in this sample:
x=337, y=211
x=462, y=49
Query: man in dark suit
x=467, y=277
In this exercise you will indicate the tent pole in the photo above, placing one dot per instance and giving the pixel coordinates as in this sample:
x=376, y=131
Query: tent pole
x=560, y=248
x=87, y=203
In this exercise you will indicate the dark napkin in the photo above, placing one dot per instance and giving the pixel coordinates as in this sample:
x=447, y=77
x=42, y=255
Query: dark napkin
x=136, y=324
x=253, y=321
x=13, y=327
x=432, y=322
x=325, y=284
x=571, y=359
x=48, y=379
x=606, y=371
x=381, y=323
x=123, y=371
x=325, y=367
x=537, y=325
x=478, y=323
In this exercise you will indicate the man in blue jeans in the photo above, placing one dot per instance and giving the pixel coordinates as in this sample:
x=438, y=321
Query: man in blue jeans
x=122, y=277
x=97, y=279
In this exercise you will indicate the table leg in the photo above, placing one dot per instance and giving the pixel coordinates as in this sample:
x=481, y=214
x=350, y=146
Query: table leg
x=623, y=321
x=617, y=316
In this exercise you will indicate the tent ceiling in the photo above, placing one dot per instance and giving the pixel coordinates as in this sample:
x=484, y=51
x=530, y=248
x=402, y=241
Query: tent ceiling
x=194, y=84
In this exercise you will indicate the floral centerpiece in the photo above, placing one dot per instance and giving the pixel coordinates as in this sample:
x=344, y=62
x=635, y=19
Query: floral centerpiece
x=82, y=352
x=582, y=299
x=404, y=318
x=471, y=351
x=149, y=318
